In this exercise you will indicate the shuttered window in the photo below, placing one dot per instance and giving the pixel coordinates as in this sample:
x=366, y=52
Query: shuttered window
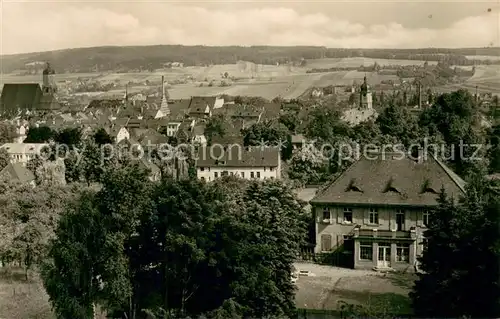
x=326, y=242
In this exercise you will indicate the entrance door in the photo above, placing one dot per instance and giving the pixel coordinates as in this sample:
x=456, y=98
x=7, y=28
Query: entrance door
x=400, y=221
x=384, y=256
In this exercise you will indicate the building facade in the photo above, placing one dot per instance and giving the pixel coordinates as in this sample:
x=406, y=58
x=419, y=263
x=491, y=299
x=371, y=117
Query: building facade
x=378, y=209
x=256, y=163
x=18, y=97
x=23, y=152
x=365, y=96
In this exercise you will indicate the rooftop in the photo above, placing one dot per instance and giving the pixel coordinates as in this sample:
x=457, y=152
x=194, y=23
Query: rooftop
x=237, y=156
x=392, y=179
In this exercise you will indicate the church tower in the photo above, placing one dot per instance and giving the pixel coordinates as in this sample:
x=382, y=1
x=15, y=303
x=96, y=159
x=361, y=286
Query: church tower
x=49, y=85
x=365, y=96
x=164, y=109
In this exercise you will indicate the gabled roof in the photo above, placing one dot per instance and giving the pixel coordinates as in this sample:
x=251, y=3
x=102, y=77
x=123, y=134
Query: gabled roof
x=20, y=95
x=17, y=172
x=395, y=180
x=199, y=104
x=238, y=157
x=153, y=137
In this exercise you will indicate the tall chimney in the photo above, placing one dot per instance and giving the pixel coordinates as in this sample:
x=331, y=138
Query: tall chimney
x=419, y=94
x=162, y=86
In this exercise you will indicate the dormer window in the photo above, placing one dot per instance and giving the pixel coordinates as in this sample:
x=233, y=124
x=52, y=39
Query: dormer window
x=392, y=190
x=390, y=187
x=427, y=188
x=353, y=187
x=430, y=190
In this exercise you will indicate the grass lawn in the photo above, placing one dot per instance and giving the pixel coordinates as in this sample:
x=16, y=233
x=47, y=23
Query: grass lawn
x=21, y=299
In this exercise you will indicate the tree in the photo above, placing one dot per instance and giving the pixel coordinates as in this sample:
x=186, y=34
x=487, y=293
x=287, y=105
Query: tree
x=4, y=158
x=69, y=137
x=101, y=137
x=215, y=127
x=42, y=134
x=398, y=122
x=270, y=132
x=7, y=132
x=34, y=165
x=460, y=259
x=182, y=248
x=291, y=121
x=325, y=124
x=307, y=165
x=87, y=263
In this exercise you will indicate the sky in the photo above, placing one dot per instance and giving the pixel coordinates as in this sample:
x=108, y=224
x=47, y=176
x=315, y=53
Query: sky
x=31, y=26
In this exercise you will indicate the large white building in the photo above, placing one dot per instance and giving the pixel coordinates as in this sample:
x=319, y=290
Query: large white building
x=235, y=160
x=23, y=152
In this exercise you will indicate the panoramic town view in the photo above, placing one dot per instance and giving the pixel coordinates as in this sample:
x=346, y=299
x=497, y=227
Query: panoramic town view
x=249, y=160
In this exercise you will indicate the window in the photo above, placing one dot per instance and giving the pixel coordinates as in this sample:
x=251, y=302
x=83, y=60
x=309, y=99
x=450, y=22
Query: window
x=403, y=253
x=347, y=215
x=216, y=175
x=258, y=174
x=365, y=251
x=202, y=169
x=326, y=242
x=373, y=216
x=271, y=169
x=242, y=174
x=425, y=216
x=326, y=215
x=251, y=175
x=265, y=169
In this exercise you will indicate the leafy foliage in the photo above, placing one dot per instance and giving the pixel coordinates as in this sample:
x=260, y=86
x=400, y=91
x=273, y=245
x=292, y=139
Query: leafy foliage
x=42, y=134
x=270, y=132
x=101, y=137
x=460, y=259
x=187, y=247
x=215, y=127
x=4, y=158
x=7, y=133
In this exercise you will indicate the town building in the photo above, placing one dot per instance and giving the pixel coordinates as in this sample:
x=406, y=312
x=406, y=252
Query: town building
x=365, y=96
x=164, y=110
x=17, y=172
x=18, y=97
x=23, y=152
x=378, y=209
x=235, y=160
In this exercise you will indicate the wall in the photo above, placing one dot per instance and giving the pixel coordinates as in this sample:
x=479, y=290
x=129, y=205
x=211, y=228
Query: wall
x=265, y=172
x=387, y=221
x=122, y=135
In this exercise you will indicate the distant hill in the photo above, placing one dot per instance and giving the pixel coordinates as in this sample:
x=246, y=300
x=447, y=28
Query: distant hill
x=152, y=57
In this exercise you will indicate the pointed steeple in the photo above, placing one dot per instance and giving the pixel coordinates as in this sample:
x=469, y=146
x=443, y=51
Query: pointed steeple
x=164, y=109
x=126, y=94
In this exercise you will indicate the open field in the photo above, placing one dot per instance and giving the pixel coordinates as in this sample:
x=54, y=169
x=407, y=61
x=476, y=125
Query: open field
x=271, y=82
x=356, y=62
x=483, y=57
x=486, y=78
x=329, y=285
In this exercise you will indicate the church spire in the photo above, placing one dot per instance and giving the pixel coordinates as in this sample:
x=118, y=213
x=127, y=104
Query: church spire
x=164, y=109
